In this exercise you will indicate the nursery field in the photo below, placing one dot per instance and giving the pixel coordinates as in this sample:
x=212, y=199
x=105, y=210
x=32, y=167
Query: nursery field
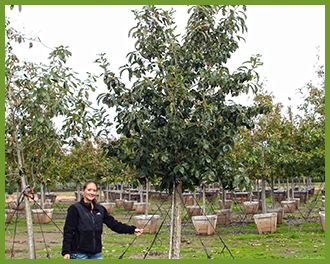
x=299, y=236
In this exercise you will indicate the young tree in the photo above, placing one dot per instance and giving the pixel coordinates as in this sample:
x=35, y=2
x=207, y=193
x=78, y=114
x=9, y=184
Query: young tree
x=310, y=136
x=35, y=94
x=263, y=145
x=174, y=116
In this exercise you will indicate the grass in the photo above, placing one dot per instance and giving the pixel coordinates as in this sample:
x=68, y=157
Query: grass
x=284, y=244
x=293, y=239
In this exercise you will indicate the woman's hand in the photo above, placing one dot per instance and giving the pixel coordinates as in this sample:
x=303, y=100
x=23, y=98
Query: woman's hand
x=138, y=232
x=66, y=256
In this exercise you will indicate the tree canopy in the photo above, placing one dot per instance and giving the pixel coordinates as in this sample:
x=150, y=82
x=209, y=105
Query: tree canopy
x=175, y=117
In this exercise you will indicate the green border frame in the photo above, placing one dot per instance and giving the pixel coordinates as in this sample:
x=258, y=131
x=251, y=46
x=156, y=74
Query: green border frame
x=176, y=2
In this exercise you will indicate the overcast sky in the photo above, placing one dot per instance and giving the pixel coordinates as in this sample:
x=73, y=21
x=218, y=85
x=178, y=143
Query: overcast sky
x=287, y=37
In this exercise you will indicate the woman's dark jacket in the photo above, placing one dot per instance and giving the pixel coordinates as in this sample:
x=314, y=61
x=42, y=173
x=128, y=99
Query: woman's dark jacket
x=83, y=228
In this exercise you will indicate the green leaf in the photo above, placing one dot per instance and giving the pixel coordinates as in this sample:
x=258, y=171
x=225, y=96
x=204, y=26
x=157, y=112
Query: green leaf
x=40, y=119
x=76, y=143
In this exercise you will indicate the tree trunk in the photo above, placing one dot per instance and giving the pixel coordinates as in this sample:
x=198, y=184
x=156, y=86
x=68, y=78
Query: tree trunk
x=42, y=194
x=258, y=188
x=141, y=193
x=292, y=187
x=20, y=160
x=107, y=192
x=129, y=193
x=28, y=213
x=172, y=217
x=223, y=197
x=194, y=197
x=263, y=195
x=287, y=186
x=204, y=200
x=177, y=220
x=147, y=194
x=273, y=195
x=78, y=191
x=279, y=184
x=100, y=189
x=121, y=191
x=29, y=224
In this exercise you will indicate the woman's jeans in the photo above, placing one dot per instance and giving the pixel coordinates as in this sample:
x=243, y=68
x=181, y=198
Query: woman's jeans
x=86, y=256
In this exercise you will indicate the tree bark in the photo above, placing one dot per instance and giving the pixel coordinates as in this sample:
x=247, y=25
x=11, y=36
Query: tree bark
x=121, y=191
x=172, y=217
x=287, y=187
x=273, y=195
x=29, y=224
x=223, y=196
x=177, y=220
x=204, y=200
x=292, y=187
x=195, y=197
x=42, y=194
x=107, y=192
x=78, y=191
x=141, y=193
x=100, y=190
x=147, y=198
x=263, y=195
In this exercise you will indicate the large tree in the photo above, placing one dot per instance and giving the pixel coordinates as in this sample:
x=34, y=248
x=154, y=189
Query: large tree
x=174, y=114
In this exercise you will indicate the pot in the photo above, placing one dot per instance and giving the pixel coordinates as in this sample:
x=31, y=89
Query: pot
x=148, y=223
x=288, y=206
x=194, y=210
x=128, y=205
x=119, y=202
x=224, y=216
x=42, y=216
x=109, y=207
x=251, y=207
x=228, y=204
x=204, y=225
x=279, y=212
x=9, y=214
x=266, y=223
x=140, y=208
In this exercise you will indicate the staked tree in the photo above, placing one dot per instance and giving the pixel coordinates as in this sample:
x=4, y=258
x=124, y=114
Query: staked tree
x=305, y=155
x=174, y=117
x=35, y=94
x=261, y=149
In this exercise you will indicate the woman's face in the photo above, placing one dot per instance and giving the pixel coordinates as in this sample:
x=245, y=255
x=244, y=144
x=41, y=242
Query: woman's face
x=89, y=192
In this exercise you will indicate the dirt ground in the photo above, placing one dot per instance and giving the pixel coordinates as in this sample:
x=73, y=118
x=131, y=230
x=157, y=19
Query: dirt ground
x=51, y=235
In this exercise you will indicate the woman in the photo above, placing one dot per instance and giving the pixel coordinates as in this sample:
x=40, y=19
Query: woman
x=84, y=224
